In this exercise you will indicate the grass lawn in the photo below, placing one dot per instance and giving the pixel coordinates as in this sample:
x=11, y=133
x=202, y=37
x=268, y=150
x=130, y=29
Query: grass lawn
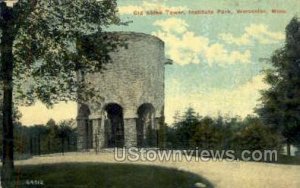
x=105, y=175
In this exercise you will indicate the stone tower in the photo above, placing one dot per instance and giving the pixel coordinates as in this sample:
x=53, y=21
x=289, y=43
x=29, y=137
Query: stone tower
x=132, y=97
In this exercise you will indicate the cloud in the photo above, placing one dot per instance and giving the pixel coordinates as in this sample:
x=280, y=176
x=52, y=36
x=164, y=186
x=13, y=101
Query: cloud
x=182, y=46
x=217, y=53
x=254, y=32
x=240, y=101
x=230, y=39
x=172, y=25
x=146, y=6
x=186, y=47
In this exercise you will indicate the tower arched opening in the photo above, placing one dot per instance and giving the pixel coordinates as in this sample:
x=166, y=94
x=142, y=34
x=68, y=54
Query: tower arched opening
x=146, y=129
x=114, y=125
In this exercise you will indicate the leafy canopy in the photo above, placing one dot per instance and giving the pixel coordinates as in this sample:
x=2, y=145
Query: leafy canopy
x=281, y=103
x=50, y=45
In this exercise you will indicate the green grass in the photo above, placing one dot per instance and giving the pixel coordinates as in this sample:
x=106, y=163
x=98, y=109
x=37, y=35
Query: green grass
x=104, y=175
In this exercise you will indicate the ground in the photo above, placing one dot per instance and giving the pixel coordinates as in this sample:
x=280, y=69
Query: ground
x=221, y=174
x=106, y=175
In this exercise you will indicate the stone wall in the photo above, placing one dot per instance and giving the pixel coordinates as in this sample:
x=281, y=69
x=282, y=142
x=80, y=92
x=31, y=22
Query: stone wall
x=135, y=77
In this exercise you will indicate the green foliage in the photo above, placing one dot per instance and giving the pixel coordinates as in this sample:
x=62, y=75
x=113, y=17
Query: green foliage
x=162, y=131
x=51, y=139
x=45, y=139
x=186, y=127
x=52, y=41
x=256, y=136
x=281, y=103
x=192, y=131
x=66, y=133
x=56, y=40
x=207, y=135
x=38, y=57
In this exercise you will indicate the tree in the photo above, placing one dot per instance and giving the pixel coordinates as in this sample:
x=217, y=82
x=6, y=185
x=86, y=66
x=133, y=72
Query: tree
x=65, y=130
x=207, y=135
x=186, y=127
x=281, y=103
x=44, y=42
x=176, y=117
x=51, y=123
x=52, y=136
x=1, y=100
x=36, y=133
x=254, y=135
x=16, y=117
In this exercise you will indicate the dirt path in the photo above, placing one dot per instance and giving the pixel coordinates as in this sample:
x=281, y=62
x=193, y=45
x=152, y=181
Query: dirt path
x=221, y=174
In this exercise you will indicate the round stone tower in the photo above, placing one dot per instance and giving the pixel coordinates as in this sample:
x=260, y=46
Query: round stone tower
x=131, y=107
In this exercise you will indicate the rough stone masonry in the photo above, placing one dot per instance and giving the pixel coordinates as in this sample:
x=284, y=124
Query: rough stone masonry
x=131, y=109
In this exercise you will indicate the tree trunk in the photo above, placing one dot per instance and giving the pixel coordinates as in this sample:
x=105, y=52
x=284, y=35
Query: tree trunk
x=288, y=148
x=49, y=143
x=34, y=145
x=62, y=145
x=7, y=73
x=39, y=144
x=68, y=143
x=30, y=146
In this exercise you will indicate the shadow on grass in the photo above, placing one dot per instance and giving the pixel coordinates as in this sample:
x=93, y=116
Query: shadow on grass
x=68, y=175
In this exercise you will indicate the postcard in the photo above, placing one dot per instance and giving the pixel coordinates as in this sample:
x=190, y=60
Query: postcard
x=150, y=93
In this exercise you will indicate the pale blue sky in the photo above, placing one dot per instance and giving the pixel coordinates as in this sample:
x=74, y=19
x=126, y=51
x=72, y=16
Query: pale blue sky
x=216, y=57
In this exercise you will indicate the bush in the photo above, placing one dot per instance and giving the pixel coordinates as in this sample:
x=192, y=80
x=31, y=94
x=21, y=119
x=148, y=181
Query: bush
x=256, y=136
x=207, y=135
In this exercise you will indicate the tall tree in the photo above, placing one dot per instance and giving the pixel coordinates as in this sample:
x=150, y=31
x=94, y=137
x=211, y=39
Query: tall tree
x=186, y=127
x=42, y=42
x=281, y=103
x=65, y=130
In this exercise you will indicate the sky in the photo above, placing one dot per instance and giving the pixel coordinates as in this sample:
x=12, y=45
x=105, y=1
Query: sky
x=218, y=58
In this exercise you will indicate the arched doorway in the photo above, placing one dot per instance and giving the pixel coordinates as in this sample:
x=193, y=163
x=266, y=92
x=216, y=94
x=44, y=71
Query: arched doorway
x=114, y=125
x=145, y=125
